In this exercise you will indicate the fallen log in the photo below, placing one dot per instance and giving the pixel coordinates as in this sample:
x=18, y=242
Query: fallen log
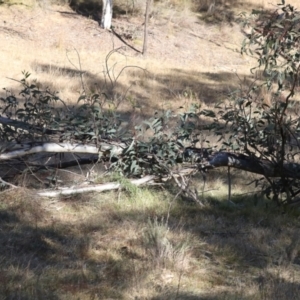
x=27, y=127
x=95, y=188
x=204, y=159
x=23, y=149
x=250, y=164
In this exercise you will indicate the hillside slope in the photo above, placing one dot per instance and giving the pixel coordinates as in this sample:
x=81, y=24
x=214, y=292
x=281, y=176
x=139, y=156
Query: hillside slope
x=55, y=44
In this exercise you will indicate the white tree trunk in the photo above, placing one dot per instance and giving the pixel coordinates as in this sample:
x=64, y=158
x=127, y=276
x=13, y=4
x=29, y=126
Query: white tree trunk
x=107, y=10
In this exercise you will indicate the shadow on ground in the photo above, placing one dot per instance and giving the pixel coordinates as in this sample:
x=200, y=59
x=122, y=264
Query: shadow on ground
x=76, y=247
x=146, y=93
x=220, y=12
x=93, y=8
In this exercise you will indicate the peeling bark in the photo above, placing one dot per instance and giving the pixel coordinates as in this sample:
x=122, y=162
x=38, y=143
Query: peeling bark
x=250, y=164
x=27, y=127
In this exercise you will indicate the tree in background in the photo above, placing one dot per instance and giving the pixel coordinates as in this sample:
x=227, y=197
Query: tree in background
x=107, y=10
x=148, y=3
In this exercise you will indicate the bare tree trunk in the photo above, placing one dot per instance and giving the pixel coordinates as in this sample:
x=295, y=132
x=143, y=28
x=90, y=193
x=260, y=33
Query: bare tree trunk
x=146, y=27
x=107, y=10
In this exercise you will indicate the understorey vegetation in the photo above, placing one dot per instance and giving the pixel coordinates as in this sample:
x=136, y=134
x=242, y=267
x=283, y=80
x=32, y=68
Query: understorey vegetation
x=257, y=131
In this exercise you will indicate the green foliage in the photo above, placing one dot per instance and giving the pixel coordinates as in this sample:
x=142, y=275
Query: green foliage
x=46, y=114
x=248, y=124
x=36, y=108
x=155, y=148
x=275, y=38
x=270, y=131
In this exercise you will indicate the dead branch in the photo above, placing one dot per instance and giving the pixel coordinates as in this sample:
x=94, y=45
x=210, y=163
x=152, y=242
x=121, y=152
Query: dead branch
x=249, y=164
x=23, y=149
x=27, y=127
x=203, y=160
x=95, y=188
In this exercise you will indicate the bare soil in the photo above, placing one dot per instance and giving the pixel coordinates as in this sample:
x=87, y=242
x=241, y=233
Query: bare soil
x=48, y=43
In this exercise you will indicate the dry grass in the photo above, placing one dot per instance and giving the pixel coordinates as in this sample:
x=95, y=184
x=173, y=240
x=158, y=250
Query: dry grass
x=55, y=57
x=141, y=244
x=136, y=246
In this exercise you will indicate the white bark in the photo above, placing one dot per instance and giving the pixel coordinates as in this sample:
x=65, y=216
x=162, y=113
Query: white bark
x=26, y=149
x=107, y=10
x=96, y=188
x=147, y=180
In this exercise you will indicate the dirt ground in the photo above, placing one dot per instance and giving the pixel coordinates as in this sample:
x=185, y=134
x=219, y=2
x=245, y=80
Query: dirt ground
x=55, y=43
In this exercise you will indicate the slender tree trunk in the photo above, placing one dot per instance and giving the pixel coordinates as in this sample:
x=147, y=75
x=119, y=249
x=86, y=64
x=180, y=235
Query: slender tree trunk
x=146, y=27
x=107, y=10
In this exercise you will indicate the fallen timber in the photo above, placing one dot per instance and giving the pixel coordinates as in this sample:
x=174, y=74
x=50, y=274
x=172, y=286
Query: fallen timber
x=13, y=153
x=203, y=159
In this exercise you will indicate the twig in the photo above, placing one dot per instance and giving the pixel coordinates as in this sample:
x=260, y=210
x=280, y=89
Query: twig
x=78, y=69
x=9, y=184
x=184, y=186
x=123, y=41
x=170, y=205
x=229, y=184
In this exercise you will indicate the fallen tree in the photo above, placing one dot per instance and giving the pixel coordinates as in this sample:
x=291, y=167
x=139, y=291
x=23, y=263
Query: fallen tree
x=203, y=158
x=192, y=161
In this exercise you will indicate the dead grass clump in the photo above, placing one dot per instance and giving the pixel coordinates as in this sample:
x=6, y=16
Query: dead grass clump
x=156, y=242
